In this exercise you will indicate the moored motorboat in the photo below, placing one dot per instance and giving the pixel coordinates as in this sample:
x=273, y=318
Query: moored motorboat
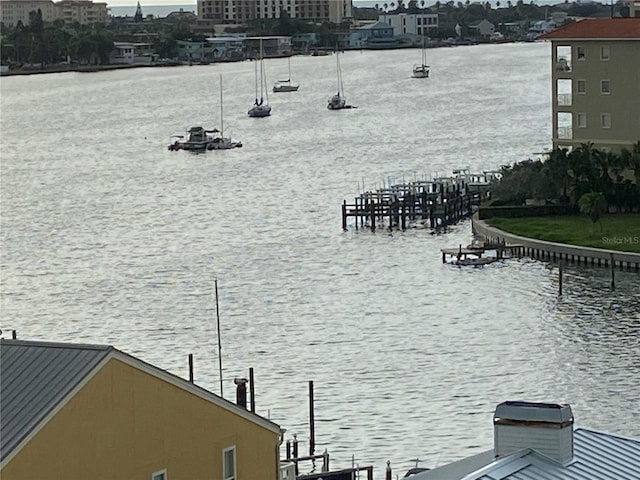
x=199, y=139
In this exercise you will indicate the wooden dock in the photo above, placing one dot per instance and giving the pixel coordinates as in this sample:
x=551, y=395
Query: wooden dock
x=473, y=254
x=432, y=203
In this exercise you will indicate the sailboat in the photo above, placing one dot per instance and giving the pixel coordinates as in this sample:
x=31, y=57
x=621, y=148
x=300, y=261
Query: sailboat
x=338, y=101
x=286, y=85
x=261, y=108
x=200, y=139
x=422, y=70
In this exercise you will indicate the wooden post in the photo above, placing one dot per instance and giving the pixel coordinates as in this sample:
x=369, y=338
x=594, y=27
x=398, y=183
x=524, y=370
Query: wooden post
x=325, y=460
x=312, y=427
x=252, y=391
x=344, y=215
x=288, y=450
x=295, y=445
x=191, y=367
x=373, y=216
x=560, y=279
x=388, y=472
x=613, y=273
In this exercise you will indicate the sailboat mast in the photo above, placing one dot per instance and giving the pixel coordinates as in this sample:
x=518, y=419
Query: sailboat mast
x=221, y=111
x=340, y=87
x=256, y=72
x=263, y=81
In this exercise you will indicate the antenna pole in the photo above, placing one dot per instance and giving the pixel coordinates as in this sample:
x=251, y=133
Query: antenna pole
x=219, y=340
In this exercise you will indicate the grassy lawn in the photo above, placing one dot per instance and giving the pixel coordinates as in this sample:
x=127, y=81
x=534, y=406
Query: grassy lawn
x=613, y=232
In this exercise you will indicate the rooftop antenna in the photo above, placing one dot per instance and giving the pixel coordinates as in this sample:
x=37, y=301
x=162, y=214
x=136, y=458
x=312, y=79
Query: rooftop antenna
x=219, y=340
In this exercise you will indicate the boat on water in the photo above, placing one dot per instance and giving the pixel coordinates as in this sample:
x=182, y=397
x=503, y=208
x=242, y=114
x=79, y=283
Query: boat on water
x=286, y=85
x=421, y=70
x=338, y=101
x=200, y=139
x=261, y=107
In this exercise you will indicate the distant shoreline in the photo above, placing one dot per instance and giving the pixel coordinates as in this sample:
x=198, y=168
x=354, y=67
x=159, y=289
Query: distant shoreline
x=100, y=68
x=83, y=68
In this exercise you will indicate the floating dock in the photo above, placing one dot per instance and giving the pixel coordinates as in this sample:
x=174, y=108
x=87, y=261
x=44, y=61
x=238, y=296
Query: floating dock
x=473, y=254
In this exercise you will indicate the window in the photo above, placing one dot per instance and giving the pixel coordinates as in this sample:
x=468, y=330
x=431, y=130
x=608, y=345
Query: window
x=159, y=475
x=604, y=52
x=605, y=87
x=580, y=53
x=605, y=120
x=581, y=120
x=581, y=86
x=229, y=463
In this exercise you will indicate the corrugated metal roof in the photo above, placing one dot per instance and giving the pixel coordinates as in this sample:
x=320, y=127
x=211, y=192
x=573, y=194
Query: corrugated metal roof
x=34, y=378
x=597, y=28
x=597, y=455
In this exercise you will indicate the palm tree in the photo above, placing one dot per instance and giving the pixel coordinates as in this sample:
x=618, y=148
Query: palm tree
x=593, y=204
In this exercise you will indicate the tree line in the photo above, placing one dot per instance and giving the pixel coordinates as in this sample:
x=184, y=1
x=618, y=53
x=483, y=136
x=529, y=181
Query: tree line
x=44, y=43
x=568, y=176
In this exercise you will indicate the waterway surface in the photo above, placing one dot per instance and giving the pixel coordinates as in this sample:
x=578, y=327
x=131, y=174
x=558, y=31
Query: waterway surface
x=107, y=237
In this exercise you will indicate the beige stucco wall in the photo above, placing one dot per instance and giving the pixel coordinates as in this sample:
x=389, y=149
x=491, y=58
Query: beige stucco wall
x=127, y=424
x=622, y=69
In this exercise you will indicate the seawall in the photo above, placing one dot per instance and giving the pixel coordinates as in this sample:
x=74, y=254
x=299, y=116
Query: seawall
x=556, y=252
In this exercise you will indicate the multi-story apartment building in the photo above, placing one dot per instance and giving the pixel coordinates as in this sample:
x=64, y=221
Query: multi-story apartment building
x=215, y=12
x=82, y=11
x=14, y=11
x=596, y=83
x=422, y=24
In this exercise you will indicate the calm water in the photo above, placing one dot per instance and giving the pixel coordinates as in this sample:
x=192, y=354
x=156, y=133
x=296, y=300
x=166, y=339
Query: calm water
x=107, y=237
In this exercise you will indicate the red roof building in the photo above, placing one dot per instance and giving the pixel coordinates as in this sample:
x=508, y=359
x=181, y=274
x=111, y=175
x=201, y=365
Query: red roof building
x=596, y=83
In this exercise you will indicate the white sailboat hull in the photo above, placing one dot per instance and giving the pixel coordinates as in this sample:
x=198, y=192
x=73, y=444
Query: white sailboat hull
x=421, y=71
x=260, y=111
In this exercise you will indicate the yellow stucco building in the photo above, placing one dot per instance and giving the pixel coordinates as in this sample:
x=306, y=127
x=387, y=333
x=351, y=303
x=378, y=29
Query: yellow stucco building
x=76, y=412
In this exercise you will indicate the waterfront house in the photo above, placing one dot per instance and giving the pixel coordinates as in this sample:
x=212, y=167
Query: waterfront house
x=420, y=24
x=195, y=51
x=132, y=53
x=227, y=48
x=595, y=78
x=538, y=440
x=377, y=35
x=75, y=412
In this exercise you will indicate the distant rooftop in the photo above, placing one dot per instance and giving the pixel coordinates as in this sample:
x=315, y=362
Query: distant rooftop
x=610, y=28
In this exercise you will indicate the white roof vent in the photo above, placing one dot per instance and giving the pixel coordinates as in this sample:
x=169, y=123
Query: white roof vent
x=544, y=427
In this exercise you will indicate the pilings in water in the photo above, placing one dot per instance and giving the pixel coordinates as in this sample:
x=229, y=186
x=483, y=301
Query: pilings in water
x=434, y=203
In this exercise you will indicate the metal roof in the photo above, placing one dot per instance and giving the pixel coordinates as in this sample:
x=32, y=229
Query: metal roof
x=34, y=378
x=596, y=455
